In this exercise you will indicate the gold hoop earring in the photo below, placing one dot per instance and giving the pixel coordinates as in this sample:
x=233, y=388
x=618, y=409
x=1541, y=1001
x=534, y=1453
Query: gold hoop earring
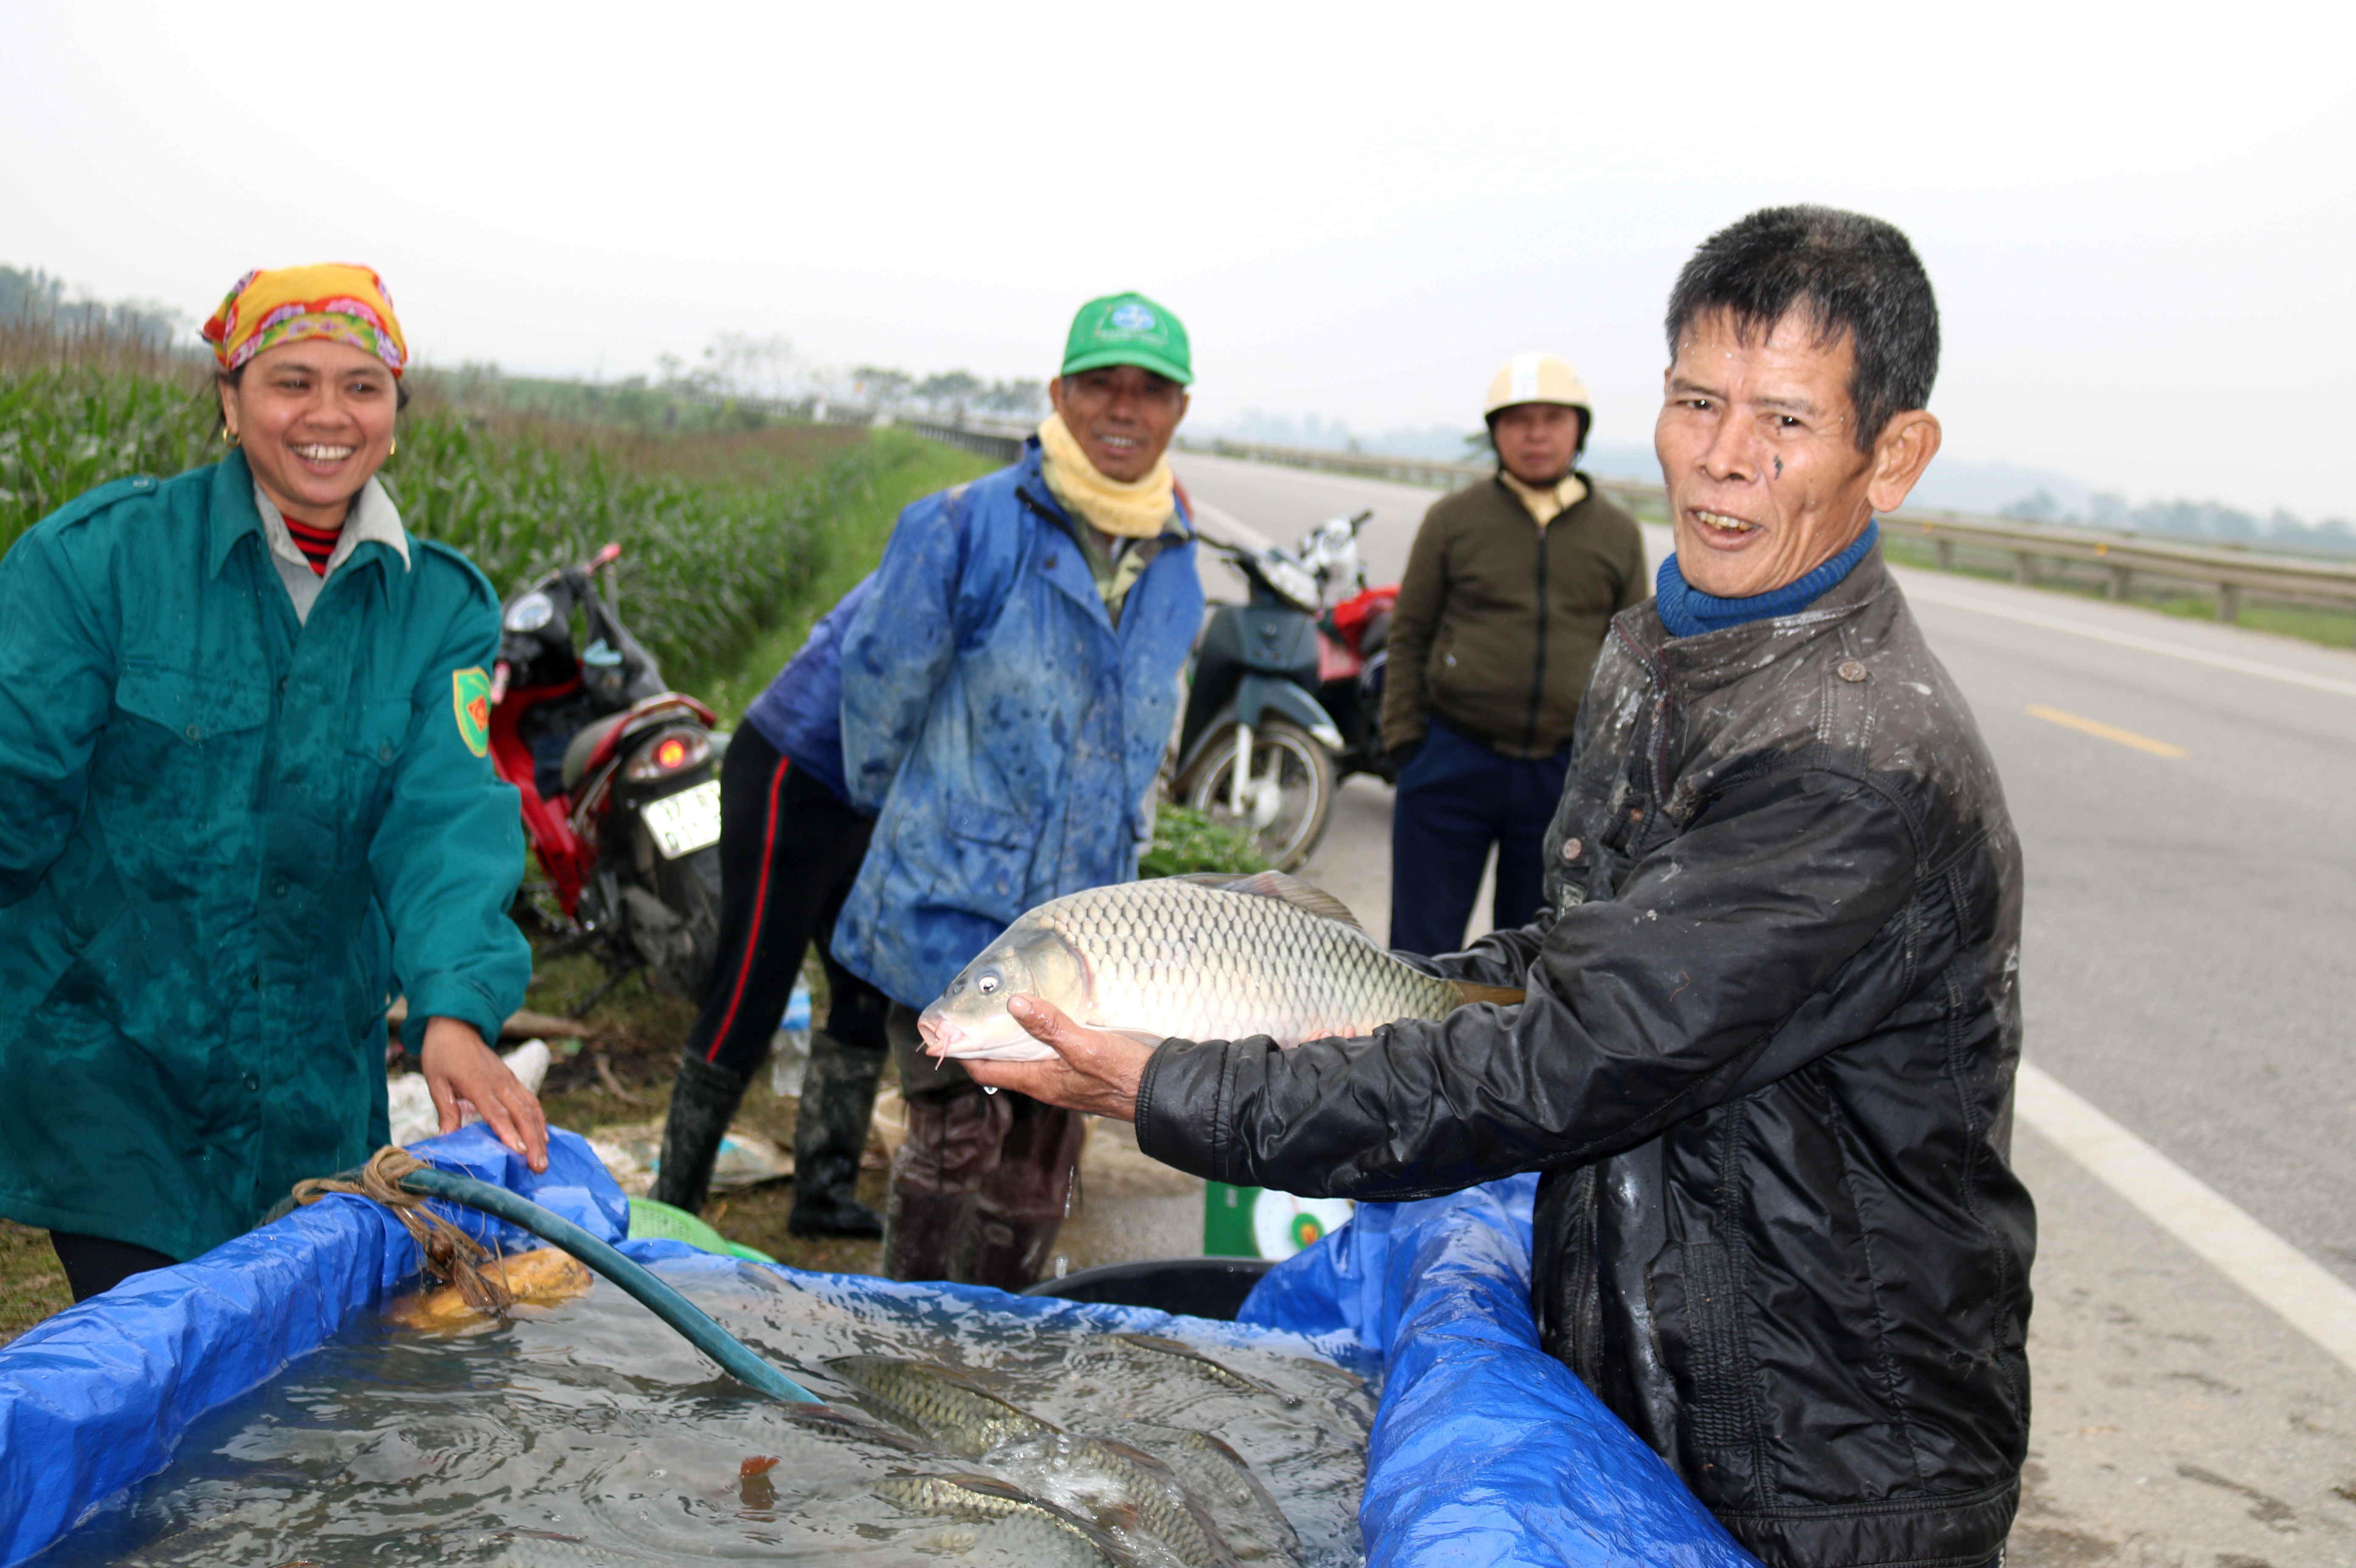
x=229, y=436
x=394, y=447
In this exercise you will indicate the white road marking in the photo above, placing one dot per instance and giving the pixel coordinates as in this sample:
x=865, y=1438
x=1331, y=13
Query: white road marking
x=2306, y=1294
x=1917, y=589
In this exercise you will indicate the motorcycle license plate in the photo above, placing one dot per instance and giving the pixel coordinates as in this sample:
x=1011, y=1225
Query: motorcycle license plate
x=686, y=821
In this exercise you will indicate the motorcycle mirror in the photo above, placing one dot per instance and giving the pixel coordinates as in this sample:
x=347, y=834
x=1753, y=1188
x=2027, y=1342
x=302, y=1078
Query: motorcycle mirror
x=1361, y=519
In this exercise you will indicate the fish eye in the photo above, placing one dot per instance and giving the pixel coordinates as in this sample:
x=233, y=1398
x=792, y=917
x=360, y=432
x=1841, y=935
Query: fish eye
x=986, y=985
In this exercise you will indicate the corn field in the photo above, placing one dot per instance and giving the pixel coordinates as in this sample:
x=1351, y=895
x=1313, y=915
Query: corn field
x=720, y=532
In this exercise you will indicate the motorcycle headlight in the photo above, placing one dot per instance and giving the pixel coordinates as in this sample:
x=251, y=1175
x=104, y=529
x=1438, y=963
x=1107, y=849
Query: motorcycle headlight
x=530, y=613
x=672, y=752
x=1291, y=582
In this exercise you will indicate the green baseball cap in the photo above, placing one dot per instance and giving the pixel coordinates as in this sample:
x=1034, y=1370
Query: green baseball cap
x=1129, y=329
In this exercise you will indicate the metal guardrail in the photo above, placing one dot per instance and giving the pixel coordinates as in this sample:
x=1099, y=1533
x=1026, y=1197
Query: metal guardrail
x=1000, y=442
x=2229, y=569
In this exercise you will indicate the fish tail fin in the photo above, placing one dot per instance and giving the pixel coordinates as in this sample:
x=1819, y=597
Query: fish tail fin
x=1467, y=993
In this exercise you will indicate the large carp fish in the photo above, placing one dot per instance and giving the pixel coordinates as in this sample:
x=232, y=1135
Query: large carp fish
x=1207, y=956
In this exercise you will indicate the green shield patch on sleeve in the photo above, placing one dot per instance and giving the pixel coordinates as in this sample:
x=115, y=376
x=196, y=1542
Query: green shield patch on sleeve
x=470, y=696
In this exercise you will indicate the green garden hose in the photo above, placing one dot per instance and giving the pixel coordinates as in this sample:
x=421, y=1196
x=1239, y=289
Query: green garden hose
x=691, y=1321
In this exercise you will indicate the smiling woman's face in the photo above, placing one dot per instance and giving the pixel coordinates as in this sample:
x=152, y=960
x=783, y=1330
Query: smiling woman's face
x=1757, y=440
x=315, y=418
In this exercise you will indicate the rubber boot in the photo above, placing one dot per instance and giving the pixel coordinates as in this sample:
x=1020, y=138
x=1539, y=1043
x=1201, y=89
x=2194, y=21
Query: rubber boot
x=829, y=1134
x=936, y=1176
x=1027, y=1193
x=703, y=1100
x=927, y=1235
x=1010, y=1252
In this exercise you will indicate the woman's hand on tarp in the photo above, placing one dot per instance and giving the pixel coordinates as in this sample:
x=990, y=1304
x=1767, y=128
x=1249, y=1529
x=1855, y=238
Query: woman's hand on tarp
x=1093, y=1070
x=461, y=1070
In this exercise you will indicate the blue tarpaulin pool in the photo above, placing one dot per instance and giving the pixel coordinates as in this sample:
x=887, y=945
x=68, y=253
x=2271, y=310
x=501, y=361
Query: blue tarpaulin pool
x=1485, y=1450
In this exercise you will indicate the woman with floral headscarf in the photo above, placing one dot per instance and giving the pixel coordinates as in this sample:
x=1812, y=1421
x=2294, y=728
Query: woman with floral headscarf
x=245, y=800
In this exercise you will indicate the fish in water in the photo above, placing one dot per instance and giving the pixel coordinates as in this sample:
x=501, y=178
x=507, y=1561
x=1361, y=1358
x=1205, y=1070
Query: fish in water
x=945, y=1407
x=1038, y=1532
x=1156, y=1349
x=1146, y=1487
x=949, y=1409
x=1208, y=956
x=1208, y=1468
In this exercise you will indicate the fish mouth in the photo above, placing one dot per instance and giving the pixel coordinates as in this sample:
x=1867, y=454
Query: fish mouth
x=940, y=1035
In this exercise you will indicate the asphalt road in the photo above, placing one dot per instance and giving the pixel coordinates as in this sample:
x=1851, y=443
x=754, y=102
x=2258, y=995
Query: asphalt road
x=2189, y=965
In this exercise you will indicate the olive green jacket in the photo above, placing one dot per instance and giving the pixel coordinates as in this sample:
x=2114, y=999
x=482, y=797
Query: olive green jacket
x=227, y=837
x=1498, y=620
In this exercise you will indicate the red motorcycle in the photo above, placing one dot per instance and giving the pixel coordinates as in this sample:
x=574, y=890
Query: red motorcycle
x=1353, y=655
x=620, y=786
x=1352, y=644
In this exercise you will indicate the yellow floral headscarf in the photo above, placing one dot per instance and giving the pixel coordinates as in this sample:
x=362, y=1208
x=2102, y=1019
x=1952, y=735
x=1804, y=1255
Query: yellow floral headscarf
x=281, y=305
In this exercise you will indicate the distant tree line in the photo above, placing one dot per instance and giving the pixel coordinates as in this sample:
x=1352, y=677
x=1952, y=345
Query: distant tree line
x=885, y=387
x=37, y=299
x=737, y=364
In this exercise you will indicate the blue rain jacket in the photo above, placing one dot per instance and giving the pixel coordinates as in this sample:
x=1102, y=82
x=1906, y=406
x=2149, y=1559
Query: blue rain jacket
x=800, y=712
x=1008, y=734
x=226, y=839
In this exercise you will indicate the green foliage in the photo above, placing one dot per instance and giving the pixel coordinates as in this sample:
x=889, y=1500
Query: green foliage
x=853, y=531
x=1185, y=840
x=717, y=534
x=66, y=429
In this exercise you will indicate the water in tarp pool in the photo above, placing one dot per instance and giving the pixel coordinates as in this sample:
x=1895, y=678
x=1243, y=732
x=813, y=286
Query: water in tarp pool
x=581, y=1431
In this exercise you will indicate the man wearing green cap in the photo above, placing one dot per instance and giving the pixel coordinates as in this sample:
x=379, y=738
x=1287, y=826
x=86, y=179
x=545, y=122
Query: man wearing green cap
x=1008, y=689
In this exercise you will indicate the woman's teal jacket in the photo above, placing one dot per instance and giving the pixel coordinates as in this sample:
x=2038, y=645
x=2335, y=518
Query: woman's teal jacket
x=227, y=840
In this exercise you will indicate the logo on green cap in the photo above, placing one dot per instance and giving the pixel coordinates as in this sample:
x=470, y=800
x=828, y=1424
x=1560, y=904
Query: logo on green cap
x=1129, y=329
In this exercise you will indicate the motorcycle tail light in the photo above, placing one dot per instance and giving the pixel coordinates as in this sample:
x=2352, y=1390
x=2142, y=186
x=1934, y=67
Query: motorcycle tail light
x=670, y=754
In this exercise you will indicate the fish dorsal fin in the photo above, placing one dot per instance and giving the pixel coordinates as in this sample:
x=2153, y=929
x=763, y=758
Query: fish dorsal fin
x=1503, y=996
x=1278, y=886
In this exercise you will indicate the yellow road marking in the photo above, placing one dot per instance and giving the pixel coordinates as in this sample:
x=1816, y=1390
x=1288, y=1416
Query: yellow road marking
x=2106, y=732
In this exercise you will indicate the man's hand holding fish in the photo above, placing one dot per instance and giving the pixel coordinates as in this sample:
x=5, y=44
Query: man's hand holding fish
x=1093, y=1070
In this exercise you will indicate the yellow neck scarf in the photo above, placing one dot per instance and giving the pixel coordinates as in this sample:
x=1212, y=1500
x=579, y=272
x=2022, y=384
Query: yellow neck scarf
x=1133, y=511
x=1546, y=503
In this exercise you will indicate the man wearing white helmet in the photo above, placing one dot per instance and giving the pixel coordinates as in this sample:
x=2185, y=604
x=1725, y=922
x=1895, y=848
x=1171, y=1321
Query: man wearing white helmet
x=1509, y=590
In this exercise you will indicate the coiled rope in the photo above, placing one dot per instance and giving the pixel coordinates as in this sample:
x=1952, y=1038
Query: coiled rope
x=401, y=1182
x=451, y=1256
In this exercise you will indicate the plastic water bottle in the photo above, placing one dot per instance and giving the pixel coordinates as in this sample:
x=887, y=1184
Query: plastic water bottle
x=789, y=1050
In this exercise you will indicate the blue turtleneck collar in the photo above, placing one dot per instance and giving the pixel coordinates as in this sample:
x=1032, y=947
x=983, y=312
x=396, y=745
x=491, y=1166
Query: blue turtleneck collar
x=1688, y=613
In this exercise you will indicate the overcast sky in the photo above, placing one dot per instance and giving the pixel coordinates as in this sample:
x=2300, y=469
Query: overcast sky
x=2141, y=221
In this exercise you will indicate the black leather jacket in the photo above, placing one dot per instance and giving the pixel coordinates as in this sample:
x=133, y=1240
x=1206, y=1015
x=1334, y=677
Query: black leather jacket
x=1766, y=1065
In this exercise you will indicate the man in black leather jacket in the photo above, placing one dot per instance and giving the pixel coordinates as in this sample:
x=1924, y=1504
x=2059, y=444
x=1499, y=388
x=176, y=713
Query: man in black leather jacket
x=1767, y=1054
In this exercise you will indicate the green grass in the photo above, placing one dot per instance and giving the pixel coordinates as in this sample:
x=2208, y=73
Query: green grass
x=1185, y=840
x=32, y=1282
x=850, y=541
